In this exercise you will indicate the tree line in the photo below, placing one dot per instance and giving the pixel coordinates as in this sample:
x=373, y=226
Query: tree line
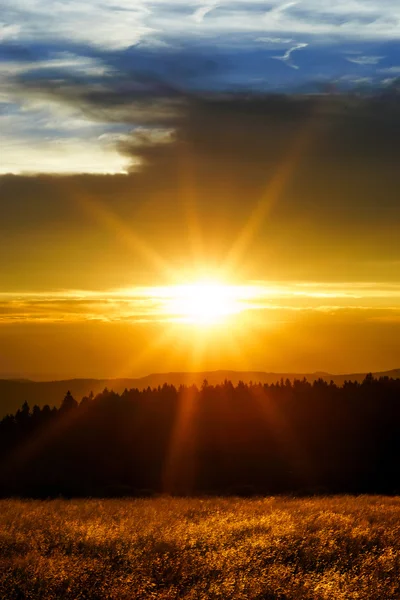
x=288, y=437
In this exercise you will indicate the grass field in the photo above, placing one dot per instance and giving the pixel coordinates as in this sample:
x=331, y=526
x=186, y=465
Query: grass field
x=273, y=548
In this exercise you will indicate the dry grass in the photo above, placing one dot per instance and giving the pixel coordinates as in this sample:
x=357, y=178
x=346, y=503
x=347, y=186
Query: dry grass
x=273, y=548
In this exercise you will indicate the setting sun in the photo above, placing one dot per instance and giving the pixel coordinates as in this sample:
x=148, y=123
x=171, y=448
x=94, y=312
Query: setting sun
x=205, y=302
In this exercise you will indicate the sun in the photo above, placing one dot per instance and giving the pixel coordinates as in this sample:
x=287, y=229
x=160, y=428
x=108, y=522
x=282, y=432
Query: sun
x=204, y=302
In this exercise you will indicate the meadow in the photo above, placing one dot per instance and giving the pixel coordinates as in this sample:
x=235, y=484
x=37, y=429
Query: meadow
x=275, y=548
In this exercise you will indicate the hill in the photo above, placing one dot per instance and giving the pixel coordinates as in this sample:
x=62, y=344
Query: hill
x=14, y=392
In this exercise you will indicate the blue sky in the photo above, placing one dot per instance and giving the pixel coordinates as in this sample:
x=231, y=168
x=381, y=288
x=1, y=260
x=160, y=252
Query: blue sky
x=54, y=54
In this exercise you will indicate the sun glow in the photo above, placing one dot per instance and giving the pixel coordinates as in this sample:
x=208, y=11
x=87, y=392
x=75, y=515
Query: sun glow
x=205, y=302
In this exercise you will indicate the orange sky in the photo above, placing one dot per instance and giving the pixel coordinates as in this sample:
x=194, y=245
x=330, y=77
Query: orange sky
x=296, y=200
x=294, y=328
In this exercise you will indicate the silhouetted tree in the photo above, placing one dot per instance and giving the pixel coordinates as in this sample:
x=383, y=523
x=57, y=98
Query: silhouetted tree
x=69, y=403
x=289, y=436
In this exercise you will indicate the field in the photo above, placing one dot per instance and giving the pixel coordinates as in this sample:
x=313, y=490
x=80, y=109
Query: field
x=229, y=548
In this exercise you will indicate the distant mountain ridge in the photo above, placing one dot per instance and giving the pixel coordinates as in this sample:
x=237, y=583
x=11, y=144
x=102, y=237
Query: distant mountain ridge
x=14, y=392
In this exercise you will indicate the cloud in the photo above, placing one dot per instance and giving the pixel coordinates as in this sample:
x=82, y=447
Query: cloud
x=61, y=157
x=280, y=8
x=67, y=114
x=124, y=66
x=60, y=62
x=365, y=60
x=201, y=12
x=118, y=24
x=248, y=133
x=395, y=70
x=340, y=19
x=374, y=301
x=55, y=138
x=108, y=24
x=287, y=57
x=9, y=32
x=274, y=40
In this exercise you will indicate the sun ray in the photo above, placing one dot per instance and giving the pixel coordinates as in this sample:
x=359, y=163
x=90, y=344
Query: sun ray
x=179, y=472
x=131, y=240
x=138, y=362
x=284, y=436
x=270, y=197
x=189, y=201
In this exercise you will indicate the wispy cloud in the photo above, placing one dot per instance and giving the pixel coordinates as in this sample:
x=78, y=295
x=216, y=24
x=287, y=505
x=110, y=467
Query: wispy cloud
x=287, y=57
x=9, y=31
x=153, y=304
x=111, y=24
x=365, y=60
x=204, y=10
x=391, y=70
x=121, y=23
x=274, y=40
x=61, y=62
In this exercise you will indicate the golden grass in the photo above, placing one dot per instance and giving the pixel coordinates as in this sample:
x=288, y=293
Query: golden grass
x=338, y=548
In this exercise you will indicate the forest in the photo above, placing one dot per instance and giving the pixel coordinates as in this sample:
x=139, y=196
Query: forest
x=250, y=439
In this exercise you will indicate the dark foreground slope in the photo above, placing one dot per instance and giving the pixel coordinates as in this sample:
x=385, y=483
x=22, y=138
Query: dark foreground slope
x=225, y=439
x=337, y=548
x=13, y=393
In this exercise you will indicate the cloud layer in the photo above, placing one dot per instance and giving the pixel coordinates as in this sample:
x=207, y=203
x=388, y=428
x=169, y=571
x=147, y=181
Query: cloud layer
x=369, y=301
x=121, y=24
x=53, y=58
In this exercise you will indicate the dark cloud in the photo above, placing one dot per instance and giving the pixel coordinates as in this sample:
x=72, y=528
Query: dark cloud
x=240, y=139
x=335, y=159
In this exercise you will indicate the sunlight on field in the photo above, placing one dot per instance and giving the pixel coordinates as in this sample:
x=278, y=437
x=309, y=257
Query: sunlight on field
x=325, y=548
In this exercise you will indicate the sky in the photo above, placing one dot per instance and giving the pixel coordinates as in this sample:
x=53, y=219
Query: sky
x=148, y=146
